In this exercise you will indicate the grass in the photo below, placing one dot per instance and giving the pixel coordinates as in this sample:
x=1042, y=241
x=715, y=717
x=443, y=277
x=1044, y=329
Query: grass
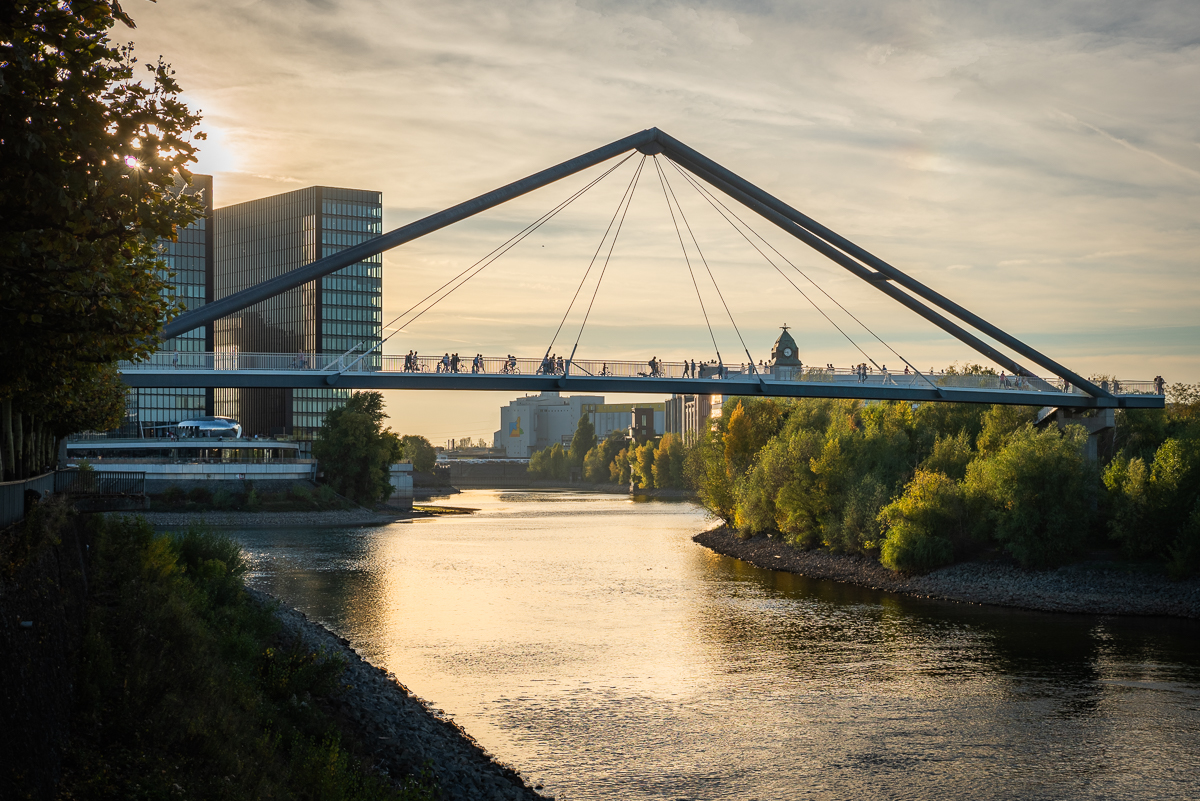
x=186, y=688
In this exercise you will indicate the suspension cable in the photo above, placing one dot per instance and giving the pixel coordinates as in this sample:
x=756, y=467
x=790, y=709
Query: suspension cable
x=726, y=212
x=711, y=277
x=484, y=262
x=688, y=261
x=607, y=257
x=623, y=203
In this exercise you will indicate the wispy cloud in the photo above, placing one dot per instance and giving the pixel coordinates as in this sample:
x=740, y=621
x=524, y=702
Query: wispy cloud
x=1049, y=146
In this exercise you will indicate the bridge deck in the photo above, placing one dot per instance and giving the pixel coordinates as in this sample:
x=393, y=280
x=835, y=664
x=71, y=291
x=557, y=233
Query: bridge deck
x=596, y=377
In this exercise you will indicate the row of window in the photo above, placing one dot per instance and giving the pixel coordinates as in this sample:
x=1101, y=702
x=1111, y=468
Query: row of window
x=342, y=344
x=359, y=299
x=352, y=314
x=330, y=250
x=365, y=225
x=348, y=209
x=351, y=329
x=345, y=238
x=340, y=281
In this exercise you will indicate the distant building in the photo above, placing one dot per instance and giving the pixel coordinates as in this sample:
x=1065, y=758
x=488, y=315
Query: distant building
x=264, y=238
x=153, y=412
x=535, y=422
x=690, y=415
x=609, y=417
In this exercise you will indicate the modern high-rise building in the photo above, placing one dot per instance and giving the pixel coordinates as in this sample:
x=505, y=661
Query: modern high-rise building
x=150, y=412
x=264, y=238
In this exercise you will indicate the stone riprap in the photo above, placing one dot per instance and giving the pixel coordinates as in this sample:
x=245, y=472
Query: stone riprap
x=1085, y=588
x=404, y=733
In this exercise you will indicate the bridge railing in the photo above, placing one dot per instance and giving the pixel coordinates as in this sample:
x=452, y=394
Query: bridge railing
x=499, y=365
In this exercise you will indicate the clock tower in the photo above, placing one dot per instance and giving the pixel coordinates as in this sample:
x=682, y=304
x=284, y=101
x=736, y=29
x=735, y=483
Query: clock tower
x=785, y=353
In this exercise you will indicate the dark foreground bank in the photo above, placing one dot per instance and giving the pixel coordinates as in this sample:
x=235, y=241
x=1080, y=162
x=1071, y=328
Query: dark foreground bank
x=1083, y=587
x=138, y=665
x=401, y=734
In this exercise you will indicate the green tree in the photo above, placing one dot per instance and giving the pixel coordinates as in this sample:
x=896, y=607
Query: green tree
x=584, y=439
x=924, y=524
x=668, y=462
x=598, y=464
x=354, y=449
x=1038, y=490
x=419, y=451
x=89, y=160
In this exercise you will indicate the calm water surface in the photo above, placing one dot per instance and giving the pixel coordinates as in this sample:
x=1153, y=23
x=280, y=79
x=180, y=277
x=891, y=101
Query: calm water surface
x=587, y=640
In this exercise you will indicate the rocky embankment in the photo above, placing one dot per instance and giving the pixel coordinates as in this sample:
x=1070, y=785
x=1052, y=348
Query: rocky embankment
x=1084, y=587
x=404, y=733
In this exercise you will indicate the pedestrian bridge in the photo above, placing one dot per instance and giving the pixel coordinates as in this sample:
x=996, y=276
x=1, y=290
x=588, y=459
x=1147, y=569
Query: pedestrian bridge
x=667, y=163
x=594, y=376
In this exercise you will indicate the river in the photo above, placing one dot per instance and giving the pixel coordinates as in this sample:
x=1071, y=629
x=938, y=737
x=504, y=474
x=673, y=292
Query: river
x=588, y=641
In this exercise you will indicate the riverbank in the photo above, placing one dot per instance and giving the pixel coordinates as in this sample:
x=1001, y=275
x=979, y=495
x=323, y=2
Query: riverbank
x=1085, y=587
x=401, y=733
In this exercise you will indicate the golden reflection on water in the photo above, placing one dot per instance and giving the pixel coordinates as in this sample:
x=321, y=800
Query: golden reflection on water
x=588, y=640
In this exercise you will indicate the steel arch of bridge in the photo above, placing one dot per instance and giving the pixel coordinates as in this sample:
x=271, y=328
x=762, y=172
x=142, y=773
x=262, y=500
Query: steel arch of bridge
x=886, y=278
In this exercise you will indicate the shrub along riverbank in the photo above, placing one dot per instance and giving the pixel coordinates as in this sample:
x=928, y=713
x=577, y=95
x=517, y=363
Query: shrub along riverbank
x=918, y=487
x=184, y=685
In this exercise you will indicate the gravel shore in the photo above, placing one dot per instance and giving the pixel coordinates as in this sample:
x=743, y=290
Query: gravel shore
x=1085, y=588
x=406, y=733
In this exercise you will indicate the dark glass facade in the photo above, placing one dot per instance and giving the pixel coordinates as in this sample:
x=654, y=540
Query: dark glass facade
x=187, y=266
x=265, y=238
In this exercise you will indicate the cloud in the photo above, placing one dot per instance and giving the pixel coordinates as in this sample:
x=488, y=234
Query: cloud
x=1051, y=147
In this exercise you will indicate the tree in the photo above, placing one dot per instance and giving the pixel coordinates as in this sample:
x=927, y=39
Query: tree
x=584, y=439
x=89, y=160
x=419, y=451
x=354, y=449
x=1038, y=493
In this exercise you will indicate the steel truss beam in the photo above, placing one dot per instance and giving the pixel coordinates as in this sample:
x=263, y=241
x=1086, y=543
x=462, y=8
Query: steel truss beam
x=833, y=246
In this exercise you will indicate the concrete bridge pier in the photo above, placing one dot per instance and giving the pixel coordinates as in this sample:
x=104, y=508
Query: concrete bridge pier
x=1101, y=425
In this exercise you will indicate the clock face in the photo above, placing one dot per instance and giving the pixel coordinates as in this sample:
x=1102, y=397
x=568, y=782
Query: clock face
x=787, y=351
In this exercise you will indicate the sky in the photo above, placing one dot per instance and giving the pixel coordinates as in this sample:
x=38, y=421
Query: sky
x=1038, y=163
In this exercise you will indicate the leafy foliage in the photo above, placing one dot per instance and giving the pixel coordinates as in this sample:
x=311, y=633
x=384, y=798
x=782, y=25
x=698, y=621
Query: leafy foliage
x=354, y=449
x=90, y=161
x=419, y=451
x=186, y=683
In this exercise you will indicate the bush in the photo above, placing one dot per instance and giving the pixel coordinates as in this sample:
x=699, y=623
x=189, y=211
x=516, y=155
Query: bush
x=1038, y=491
x=184, y=682
x=327, y=498
x=300, y=492
x=224, y=499
x=174, y=495
x=1152, y=507
x=200, y=495
x=924, y=524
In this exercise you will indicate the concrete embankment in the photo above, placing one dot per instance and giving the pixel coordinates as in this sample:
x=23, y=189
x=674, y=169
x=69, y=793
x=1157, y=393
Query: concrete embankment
x=402, y=733
x=1090, y=588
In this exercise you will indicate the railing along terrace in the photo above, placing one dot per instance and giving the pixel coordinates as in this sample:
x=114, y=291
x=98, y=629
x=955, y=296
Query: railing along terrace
x=470, y=364
x=74, y=460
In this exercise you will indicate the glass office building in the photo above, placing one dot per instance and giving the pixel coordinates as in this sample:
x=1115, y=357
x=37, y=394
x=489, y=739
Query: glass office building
x=264, y=238
x=151, y=412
